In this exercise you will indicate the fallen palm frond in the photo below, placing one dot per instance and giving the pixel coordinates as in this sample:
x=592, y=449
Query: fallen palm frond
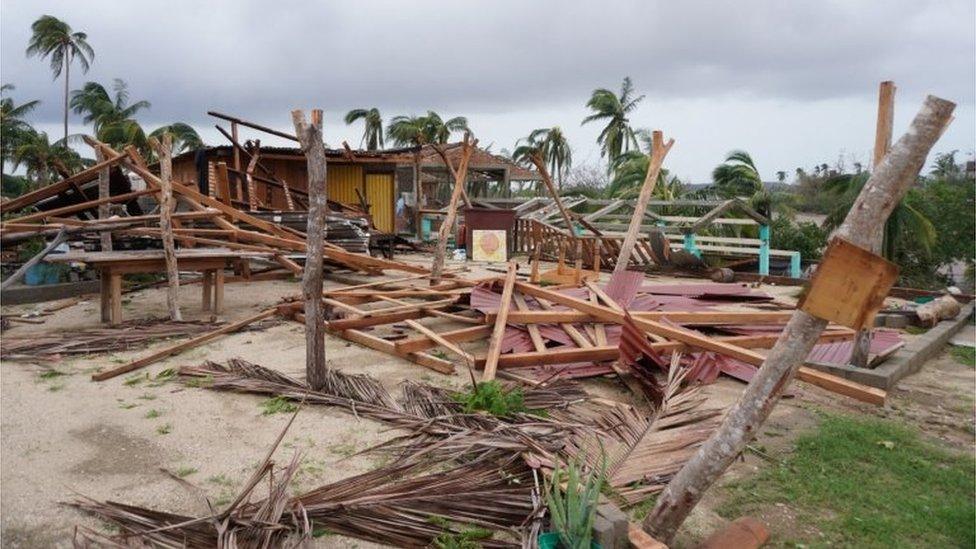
x=127, y=336
x=494, y=464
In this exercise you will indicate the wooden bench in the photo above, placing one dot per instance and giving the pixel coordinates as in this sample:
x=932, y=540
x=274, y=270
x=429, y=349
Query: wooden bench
x=112, y=265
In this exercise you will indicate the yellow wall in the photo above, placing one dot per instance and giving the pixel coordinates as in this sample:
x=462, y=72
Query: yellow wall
x=379, y=194
x=343, y=182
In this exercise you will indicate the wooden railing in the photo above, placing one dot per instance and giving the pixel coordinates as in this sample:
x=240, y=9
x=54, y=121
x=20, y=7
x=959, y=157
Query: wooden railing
x=533, y=236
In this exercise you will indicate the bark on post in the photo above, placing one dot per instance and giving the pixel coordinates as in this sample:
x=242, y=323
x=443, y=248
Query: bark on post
x=310, y=136
x=164, y=151
x=882, y=192
x=252, y=188
x=460, y=175
x=450, y=168
x=540, y=165
x=103, y=192
x=659, y=149
x=882, y=142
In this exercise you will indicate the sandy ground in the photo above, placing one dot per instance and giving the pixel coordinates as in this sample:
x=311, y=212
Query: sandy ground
x=66, y=436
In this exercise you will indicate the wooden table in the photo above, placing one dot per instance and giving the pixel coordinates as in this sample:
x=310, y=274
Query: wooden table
x=112, y=265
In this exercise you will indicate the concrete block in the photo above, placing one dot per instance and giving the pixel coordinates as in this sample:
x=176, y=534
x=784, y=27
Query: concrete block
x=896, y=321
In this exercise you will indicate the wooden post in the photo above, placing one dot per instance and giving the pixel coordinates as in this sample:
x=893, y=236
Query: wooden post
x=450, y=169
x=103, y=192
x=540, y=165
x=237, y=153
x=164, y=151
x=659, y=149
x=887, y=186
x=460, y=175
x=882, y=142
x=498, y=332
x=310, y=136
x=252, y=188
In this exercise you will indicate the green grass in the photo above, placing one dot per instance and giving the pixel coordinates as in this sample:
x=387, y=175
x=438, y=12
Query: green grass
x=867, y=483
x=164, y=429
x=964, y=355
x=184, y=472
x=153, y=414
x=50, y=374
x=916, y=330
x=277, y=405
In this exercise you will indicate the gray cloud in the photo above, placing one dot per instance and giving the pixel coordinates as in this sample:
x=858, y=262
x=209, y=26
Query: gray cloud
x=512, y=66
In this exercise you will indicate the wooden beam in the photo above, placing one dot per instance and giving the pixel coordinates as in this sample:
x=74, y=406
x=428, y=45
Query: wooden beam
x=498, y=332
x=461, y=335
x=445, y=229
x=81, y=207
x=180, y=347
x=56, y=188
x=659, y=149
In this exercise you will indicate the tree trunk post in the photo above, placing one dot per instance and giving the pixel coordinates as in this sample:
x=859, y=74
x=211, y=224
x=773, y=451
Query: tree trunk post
x=659, y=149
x=886, y=187
x=460, y=175
x=882, y=143
x=310, y=136
x=67, y=70
x=104, y=190
x=540, y=165
x=164, y=151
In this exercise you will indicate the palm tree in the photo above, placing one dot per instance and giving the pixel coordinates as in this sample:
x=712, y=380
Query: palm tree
x=408, y=131
x=906, y=226
x=41, y=157
x=630, y=170
x=781, y=176
x=185, y=138
x=53, y=38
x=738, y=176
x=553, y=147
x=373, y=129
x=12, y=123
x=113, y=118
x=103, y=109
x=617, y=136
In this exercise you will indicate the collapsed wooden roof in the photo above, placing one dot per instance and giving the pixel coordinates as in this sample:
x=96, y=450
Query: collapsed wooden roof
x=482, y=162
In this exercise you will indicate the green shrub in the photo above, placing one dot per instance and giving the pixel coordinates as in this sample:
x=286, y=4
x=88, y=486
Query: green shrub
x=493, y=398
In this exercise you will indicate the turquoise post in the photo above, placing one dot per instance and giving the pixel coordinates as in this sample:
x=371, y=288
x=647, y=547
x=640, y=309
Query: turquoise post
x=690, y=244
x=764, y=250
x=795, y=265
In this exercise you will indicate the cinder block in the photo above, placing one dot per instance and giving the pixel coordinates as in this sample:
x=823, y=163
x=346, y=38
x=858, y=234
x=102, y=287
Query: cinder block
x=895, y=321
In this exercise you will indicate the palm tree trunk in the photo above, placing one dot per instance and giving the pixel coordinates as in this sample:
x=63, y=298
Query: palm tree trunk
x=67, y=70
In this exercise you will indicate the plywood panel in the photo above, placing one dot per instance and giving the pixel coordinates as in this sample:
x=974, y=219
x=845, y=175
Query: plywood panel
x=379, y=194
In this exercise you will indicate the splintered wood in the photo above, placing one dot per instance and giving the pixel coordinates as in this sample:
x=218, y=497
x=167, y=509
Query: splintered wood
x=511, y=328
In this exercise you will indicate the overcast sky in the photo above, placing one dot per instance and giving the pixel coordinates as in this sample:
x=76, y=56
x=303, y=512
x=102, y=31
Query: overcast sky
x=794, y=83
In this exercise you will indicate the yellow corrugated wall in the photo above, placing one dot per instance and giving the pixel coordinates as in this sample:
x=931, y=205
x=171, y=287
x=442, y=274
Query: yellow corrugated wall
x=343, y=182
x=379, y=194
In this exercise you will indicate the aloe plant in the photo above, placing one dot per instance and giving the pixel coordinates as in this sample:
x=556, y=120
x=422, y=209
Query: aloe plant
x=572, y=498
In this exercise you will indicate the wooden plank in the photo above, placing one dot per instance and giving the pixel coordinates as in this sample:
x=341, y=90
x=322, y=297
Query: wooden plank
x=382, y=345
x=460, y=335
x=704, y=318
x=176, y=349
x=498, y=333
x=534, y=333
x=443, y=342
x=852, y=389
x=74, y=208
x=56, y=188
x=612, y=352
